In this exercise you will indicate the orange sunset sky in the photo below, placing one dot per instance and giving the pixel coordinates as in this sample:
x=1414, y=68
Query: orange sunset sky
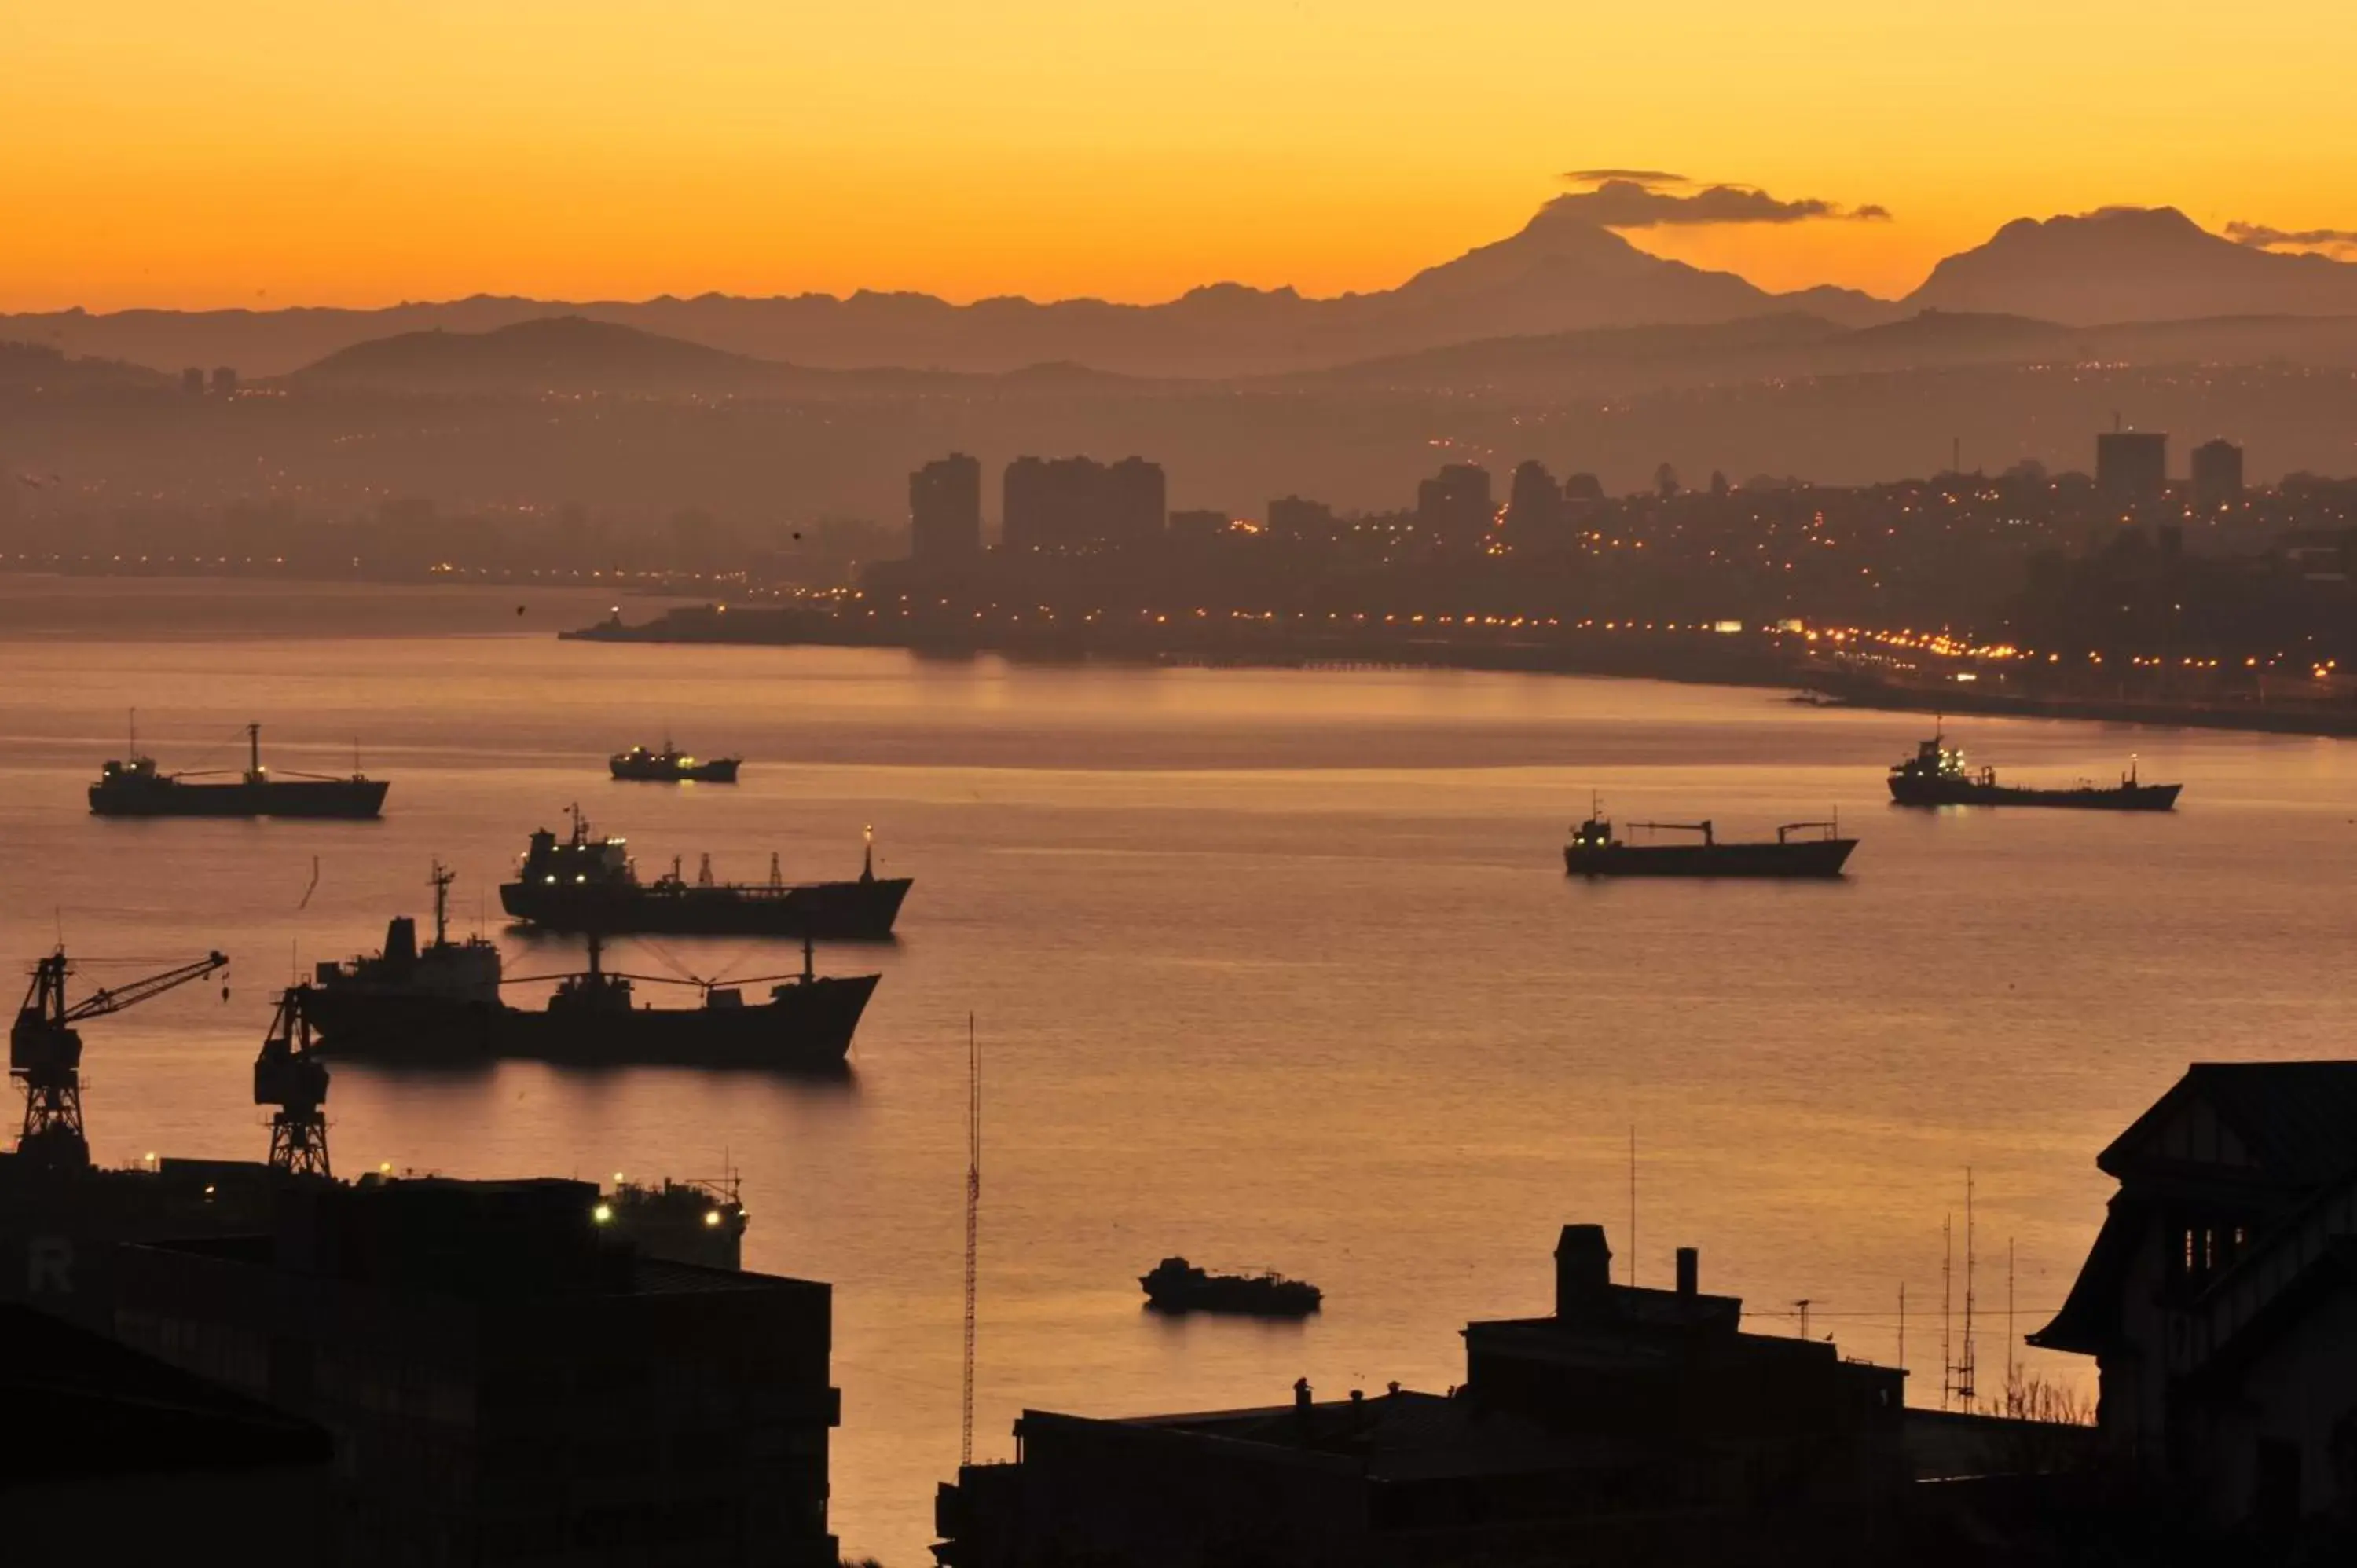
x=264, y=153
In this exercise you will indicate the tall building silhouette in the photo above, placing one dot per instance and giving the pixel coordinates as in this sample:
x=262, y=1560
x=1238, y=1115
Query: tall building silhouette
x=2217, y=473
x=2131, y=465
x=1080, y=505
x=1455, y=504
x=1294, y=518
x=945, y=509
x=1535, y=508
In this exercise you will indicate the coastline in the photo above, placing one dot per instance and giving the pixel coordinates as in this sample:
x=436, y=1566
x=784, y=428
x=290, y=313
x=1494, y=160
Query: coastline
x=1754, y=657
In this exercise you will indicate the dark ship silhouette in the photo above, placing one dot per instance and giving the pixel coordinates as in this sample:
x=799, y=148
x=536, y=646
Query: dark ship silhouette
x=403, y=988
x=1936, y=776
x=1595, y=851
x=585, y=884
x=1178, y=1286
x=63, y=1217
x=671, y=765
x=132, y=788
x=594, y=1019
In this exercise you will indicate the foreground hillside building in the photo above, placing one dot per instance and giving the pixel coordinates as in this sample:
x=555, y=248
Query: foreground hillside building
x=2220, y=1299
x=1631, y=1425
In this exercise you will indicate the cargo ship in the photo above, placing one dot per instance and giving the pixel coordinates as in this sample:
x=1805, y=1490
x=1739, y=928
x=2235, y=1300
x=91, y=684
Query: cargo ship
x=1935, y=776
x=131, y=786
x=1178, y=1286
x=1595, y=851
x=590, y=884
x=593, y=1019
x=403, y=987
x=671, y=765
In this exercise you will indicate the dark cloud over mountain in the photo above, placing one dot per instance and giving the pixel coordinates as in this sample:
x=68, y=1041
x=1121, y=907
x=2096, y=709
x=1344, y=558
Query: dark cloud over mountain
x=1623, y=203
x=2261, y=237
x=1636, y=176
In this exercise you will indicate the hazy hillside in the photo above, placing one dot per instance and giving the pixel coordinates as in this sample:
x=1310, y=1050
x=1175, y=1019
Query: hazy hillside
x=2133, y=264
x=1557, y=274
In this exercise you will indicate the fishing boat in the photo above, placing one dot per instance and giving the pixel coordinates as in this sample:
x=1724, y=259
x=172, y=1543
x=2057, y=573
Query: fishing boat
x=671, y=766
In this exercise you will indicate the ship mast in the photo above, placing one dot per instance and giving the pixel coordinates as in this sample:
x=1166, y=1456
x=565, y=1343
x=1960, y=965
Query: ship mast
x=442, y=878
x=253, y=754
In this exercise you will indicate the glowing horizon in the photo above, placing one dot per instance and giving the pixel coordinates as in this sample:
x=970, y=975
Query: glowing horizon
x=266, y=154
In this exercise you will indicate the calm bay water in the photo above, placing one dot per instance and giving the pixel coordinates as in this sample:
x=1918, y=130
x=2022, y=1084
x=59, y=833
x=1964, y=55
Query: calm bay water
x=1268, y=967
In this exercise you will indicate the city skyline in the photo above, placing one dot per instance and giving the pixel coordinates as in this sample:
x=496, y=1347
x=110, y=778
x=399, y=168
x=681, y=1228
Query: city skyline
x=259, y=159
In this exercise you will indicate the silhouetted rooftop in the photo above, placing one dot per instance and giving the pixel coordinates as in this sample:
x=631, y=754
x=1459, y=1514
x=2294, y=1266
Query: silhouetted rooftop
x=82, y=1405
x=2296, y=1120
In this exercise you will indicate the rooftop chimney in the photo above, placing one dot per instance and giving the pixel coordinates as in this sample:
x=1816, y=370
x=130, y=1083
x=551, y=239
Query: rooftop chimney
x=1583, y=1271
x=1689, y=1271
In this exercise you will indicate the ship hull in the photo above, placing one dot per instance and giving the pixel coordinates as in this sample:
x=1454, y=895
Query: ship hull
x=723, y=771
x=857, y=912
x=1233, y=1302
x=332, y=798
x=1966, y=792
x=1800, y=859
x=808, y=1025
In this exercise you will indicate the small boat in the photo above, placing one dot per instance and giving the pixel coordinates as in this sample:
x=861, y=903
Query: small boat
x=1936, y=776
x=1178, y=1286
x=671, y=766
x=131, y=786
x=1595, y=851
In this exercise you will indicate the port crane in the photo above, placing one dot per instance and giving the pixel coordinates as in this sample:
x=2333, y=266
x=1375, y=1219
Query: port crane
x=45, y=1050
x=289, y=1074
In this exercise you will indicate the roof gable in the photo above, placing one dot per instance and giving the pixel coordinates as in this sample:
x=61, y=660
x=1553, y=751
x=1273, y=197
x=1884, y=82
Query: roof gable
x=2290, y=1122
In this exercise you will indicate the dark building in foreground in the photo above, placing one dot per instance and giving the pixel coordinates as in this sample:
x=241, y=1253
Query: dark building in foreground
x=1079, y=504
x=505, y=1381
x=945, y=510
x=1631, y=1425
x=112, y=1456
x=2131, y=465
x=2217, y=473
x=2220, y=1299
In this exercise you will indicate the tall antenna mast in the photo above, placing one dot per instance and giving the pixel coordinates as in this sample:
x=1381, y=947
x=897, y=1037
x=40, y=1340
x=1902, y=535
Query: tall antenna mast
x=1947, y=1273
x=972, y=1229
x=1632, y=1205
x=1965, y=1389
x=1903, y=1329
x=2009, y=1340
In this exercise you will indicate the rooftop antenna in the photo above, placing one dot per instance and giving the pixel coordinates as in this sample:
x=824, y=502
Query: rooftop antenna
x=1902, y=1328
x=2009, y=1340
x=973, y=1230
x=1802, y=1306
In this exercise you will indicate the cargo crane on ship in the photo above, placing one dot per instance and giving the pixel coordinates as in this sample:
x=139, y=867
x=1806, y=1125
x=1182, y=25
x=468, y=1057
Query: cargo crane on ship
x=288, y=1074
x=45, y=1051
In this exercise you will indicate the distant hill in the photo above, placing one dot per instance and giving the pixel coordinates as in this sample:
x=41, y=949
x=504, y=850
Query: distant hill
x=2131, y=264
x=574, y=355
x=552, y=354
x=1559, y=273
x=36, y=366
x=1625, y=360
